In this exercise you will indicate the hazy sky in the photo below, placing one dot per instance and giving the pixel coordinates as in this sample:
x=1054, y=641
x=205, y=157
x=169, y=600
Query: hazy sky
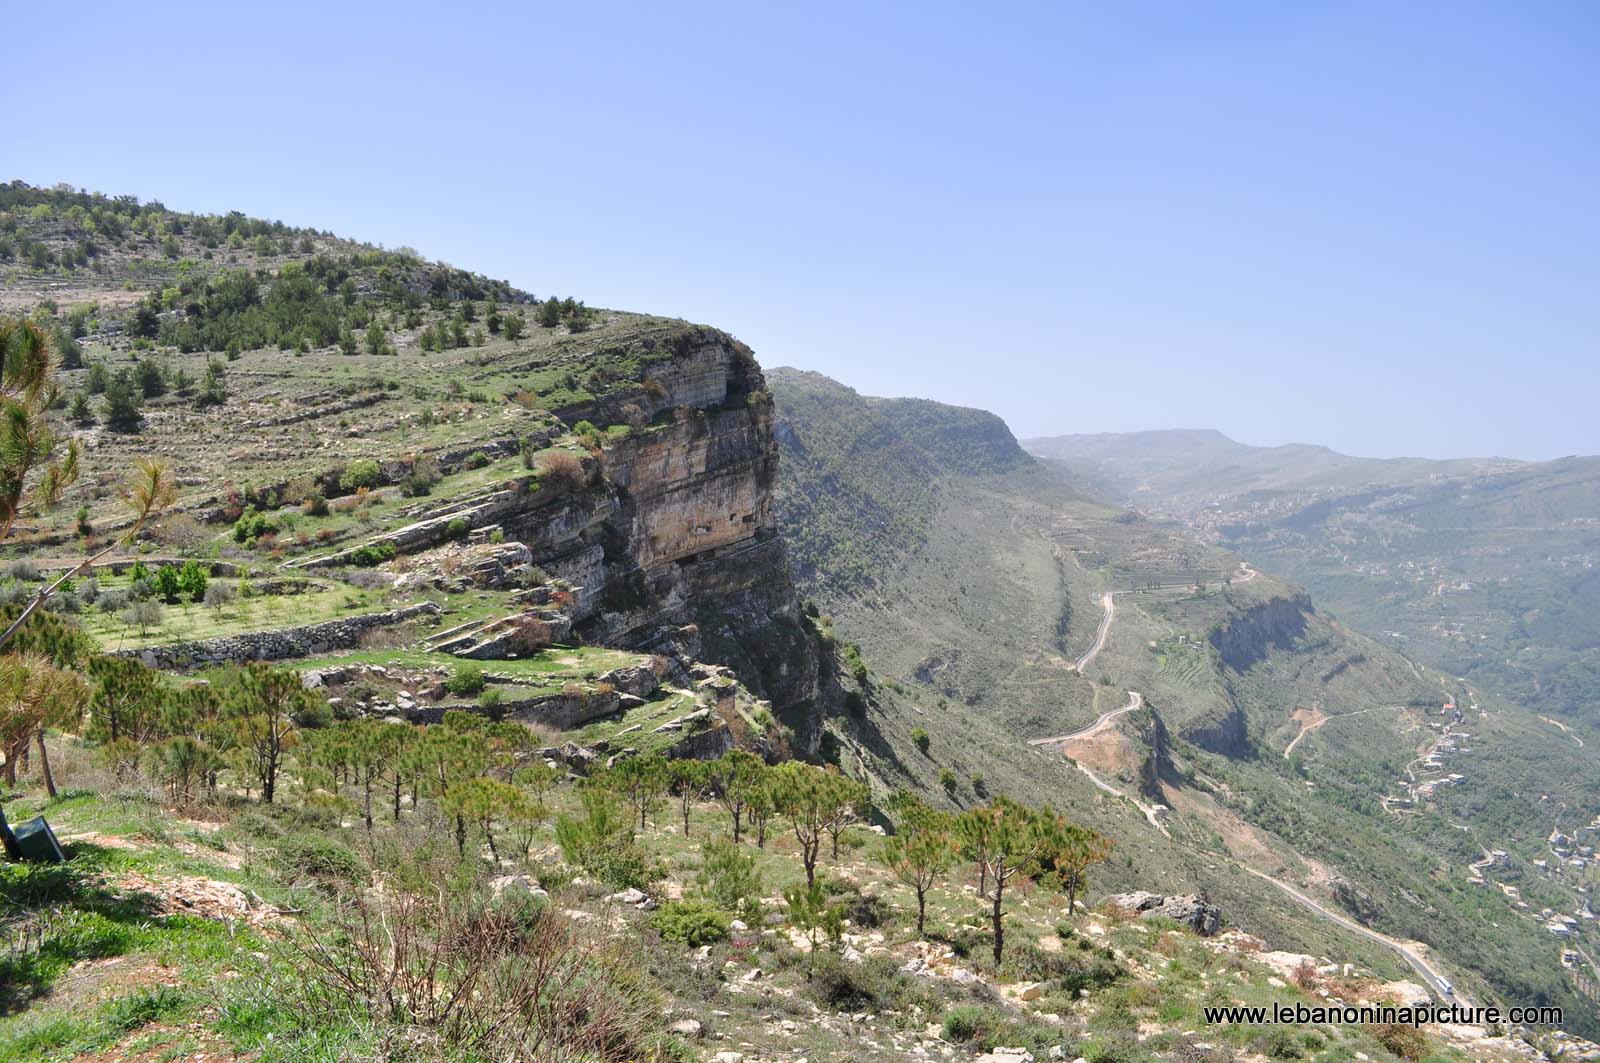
x=1370, y=225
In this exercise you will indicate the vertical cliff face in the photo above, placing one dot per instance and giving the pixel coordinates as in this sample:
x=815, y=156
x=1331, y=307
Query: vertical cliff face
x=675, y=547
x=1273, y=624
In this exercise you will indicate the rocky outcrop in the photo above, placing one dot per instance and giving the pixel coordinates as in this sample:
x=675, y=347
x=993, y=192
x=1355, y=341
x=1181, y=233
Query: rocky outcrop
x=1247, y=638
x=671, y=546
x=1191, y=911
x=307, y=641
x=1223, y=732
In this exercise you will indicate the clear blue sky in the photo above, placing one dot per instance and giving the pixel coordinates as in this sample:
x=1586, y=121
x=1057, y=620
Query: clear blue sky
x=1370, y=225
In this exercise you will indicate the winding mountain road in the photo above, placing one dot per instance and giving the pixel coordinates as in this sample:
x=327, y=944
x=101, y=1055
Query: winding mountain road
x=1135, y=700
x=1108, y=602
x=1435, y=981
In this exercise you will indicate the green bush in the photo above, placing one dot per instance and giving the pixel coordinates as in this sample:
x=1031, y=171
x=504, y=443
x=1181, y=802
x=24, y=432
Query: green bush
x=456, y=529
x=251, y=526
x=363, y=472
x=373, y=554
x=320, y=857
x=728, y=877
x=601, y=842
x=466, y=681
x=692, y=923
x=919, y=737
x=964, y=1022
x=477, y=460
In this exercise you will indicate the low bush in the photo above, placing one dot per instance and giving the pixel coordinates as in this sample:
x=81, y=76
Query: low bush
x=1403, y=1040
x=320, y=857
x=564, y=470
x=692, y=923
x=363, y=472
x=373, y=554
x=466, y=681
x=729, y=878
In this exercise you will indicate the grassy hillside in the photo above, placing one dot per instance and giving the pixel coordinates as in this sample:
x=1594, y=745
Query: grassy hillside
x=880, y=467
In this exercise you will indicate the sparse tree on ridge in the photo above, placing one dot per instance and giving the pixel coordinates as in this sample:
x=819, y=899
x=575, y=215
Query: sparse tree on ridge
x=921, y=850
x=690, y=780
x=736, y=774
x=1009, y=840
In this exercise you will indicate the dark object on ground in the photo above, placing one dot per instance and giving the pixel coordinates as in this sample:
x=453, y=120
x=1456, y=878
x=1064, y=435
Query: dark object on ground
x=8, y=841
x=37, y=842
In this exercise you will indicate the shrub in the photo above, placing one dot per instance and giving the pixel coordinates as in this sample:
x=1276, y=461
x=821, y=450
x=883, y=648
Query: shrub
x=692, y=923
x=457, y=528
x=477, y=460
x=466, y=681
x=485, y=981
x=919, y=736
x=965, y=1022
x=314, y=506
x=1403, y=1040
x=422, y=478
x=320, y=857
x=373, y=554
x=564, y=470
x=252, y=525
x=728, y=877
x=601, y=842
x=363, y=472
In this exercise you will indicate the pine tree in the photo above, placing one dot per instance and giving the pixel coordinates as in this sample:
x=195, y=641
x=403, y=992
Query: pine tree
x=122, y=403
x=921, y=850
x=1007, y=841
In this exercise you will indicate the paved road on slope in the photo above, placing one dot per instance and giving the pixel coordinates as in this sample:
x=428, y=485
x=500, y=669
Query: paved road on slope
x=1108, y=602
x=1419, y=963
x=1135, y=699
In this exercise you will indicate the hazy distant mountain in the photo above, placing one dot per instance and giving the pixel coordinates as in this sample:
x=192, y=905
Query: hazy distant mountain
x=1487, y=567
x=1176, y=470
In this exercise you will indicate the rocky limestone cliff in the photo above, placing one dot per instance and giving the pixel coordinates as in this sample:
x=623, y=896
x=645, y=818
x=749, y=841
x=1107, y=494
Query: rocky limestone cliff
x=674, y=545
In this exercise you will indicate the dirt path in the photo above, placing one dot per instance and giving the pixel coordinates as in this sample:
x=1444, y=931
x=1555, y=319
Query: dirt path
x=1564, y=729
x=1315, y=723
x=1152, y=813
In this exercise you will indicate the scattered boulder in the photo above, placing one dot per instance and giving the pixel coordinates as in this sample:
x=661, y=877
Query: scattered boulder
x=517, y=885
x=1205, y=919
x=1006, y=1055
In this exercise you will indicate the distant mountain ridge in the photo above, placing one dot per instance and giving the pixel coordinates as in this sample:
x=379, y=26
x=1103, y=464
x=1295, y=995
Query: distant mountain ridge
x=1488, y=567
x=1170, y=470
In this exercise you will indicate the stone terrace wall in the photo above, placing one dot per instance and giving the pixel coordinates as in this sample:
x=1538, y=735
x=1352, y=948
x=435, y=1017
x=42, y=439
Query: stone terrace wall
x=307, y=641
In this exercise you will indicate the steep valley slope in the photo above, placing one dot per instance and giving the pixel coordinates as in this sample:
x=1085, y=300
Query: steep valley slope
x=1269, y=733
